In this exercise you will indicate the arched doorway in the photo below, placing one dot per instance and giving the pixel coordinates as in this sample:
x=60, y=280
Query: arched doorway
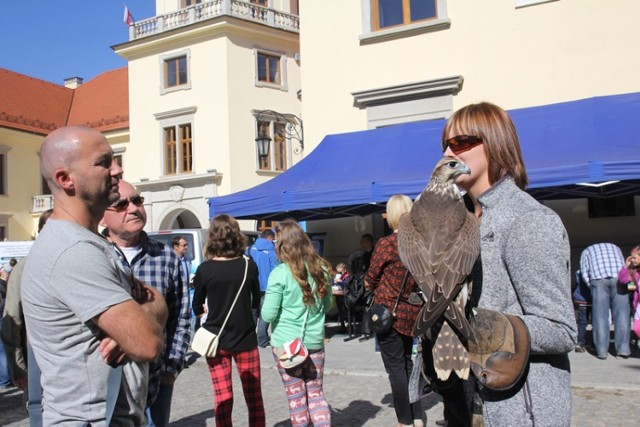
x=180, y=218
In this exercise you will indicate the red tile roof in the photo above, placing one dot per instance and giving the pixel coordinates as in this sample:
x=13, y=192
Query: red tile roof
x=33, y=105
x=102, y=103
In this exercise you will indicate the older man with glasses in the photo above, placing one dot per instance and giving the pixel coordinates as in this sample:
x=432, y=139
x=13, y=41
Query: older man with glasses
x=156, y=264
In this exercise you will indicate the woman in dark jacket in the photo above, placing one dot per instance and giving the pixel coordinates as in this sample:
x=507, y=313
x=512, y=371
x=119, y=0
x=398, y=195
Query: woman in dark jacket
x=217, y=281
x=385, y=275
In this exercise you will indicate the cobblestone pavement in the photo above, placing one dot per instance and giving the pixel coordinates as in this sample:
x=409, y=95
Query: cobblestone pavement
x=604, y=391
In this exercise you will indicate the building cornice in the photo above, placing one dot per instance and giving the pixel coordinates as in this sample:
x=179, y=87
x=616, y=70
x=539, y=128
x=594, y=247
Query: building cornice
x=418, y=90
x=185, y=180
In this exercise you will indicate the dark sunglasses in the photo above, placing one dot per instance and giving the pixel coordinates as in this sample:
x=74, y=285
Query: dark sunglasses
x=461, y=143
x=122, y=204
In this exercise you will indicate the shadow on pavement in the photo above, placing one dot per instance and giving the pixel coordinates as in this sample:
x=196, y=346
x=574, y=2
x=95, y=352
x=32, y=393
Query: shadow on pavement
x=196, y=420
x=428, y=401
x=357, y=413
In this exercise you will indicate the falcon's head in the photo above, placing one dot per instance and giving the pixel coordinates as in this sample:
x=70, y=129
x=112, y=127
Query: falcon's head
x=445, y=174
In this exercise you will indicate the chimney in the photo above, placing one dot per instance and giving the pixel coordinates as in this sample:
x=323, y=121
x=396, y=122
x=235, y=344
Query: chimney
x=73, y=82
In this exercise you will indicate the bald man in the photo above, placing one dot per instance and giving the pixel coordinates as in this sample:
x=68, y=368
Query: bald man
x=77, y=295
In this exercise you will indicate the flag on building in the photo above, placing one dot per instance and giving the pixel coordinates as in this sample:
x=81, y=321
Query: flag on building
x=128, y=17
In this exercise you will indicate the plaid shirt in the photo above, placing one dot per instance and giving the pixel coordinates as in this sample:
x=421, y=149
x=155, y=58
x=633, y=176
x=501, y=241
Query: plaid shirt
x=158, y=266
x=601, y=261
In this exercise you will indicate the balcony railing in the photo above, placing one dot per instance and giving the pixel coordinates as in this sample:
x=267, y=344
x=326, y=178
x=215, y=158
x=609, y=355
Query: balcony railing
x=41, y=203
x=212, y=9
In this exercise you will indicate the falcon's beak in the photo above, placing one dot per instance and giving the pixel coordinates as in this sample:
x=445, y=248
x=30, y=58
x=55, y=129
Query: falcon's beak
x=465, y=169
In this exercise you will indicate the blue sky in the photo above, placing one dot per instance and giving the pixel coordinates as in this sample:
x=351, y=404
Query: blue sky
x=55, y=39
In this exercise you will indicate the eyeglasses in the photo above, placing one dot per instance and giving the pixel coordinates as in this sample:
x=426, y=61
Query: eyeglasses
x=461, y=143
x=122, y=204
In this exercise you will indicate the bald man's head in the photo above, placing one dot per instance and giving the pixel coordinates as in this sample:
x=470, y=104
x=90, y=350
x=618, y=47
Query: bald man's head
x=77, y=163
x=60, y=149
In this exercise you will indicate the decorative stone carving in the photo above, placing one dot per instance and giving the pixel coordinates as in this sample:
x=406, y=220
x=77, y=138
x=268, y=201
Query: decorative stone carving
x=176, y=192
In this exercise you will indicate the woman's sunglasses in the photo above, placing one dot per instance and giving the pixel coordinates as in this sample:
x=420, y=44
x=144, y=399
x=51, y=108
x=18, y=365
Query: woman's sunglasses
x=122, y=204
x=461, y=143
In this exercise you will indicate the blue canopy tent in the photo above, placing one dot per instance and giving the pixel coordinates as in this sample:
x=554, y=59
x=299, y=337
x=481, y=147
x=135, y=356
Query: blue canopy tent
x=564, y=145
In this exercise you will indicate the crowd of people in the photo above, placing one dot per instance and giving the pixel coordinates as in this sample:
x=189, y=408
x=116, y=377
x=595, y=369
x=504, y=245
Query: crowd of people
x=107, y=311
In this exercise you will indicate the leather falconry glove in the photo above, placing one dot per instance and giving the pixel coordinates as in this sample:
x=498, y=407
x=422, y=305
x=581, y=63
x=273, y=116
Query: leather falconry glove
x=500, y=352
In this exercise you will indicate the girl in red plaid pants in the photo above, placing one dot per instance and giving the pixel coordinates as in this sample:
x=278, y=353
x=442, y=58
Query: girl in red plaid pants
x=225, y=279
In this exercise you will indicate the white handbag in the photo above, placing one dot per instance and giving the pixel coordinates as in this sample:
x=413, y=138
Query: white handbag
x=205, y=343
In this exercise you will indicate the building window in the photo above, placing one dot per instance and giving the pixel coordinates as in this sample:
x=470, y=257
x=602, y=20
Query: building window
x=391, y=13
x=45, y=187
x=174, y=70
x=277, y=157
x=268, y=68
x=178, y=157
x=187, y=3
x=118, y=153
x=264, y=3
x=4, y=150
x=3, y=233
x=264, y=224
x=271, y=69
x=389, y=19
x=3, y=171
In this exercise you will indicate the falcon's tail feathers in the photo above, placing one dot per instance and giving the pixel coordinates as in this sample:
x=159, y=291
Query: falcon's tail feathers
x=449, y=354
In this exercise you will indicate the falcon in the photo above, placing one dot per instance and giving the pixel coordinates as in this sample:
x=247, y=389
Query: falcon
x=439, y=242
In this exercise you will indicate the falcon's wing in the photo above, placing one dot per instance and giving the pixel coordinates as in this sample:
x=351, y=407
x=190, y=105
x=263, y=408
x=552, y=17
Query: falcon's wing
x=439, y=243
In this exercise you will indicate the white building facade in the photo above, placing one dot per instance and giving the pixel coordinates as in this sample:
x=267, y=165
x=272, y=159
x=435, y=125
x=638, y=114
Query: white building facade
x=200, y=75
x=378, y=64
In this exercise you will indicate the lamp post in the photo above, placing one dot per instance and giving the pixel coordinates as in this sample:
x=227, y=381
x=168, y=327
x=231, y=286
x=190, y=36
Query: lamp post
x=293, y=129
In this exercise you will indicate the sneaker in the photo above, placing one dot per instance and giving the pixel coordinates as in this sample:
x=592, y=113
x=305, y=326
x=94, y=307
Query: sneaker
x=441, y=423
x=580, y=349
x=622, y=356
x=602, y=357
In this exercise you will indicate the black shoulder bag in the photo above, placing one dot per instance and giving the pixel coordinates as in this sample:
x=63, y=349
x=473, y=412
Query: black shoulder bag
x=380, y=317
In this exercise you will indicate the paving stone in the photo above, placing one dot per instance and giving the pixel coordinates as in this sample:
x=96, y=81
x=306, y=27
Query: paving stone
x=356, y=386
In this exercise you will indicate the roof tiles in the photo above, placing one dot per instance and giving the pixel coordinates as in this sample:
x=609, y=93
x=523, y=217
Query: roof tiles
x=33, y=105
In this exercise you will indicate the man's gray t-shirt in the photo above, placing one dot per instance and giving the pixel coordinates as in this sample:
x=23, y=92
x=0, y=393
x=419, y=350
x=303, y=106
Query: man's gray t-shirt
x=71, y=276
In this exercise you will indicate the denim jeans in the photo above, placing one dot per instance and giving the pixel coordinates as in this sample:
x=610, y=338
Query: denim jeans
x=159, y=412
x=263, y=328
x=583, y=320
x=608, y=295
x=5, y=379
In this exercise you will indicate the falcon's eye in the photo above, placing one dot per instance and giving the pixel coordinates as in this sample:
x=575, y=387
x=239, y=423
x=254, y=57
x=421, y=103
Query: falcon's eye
x=452, y=164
